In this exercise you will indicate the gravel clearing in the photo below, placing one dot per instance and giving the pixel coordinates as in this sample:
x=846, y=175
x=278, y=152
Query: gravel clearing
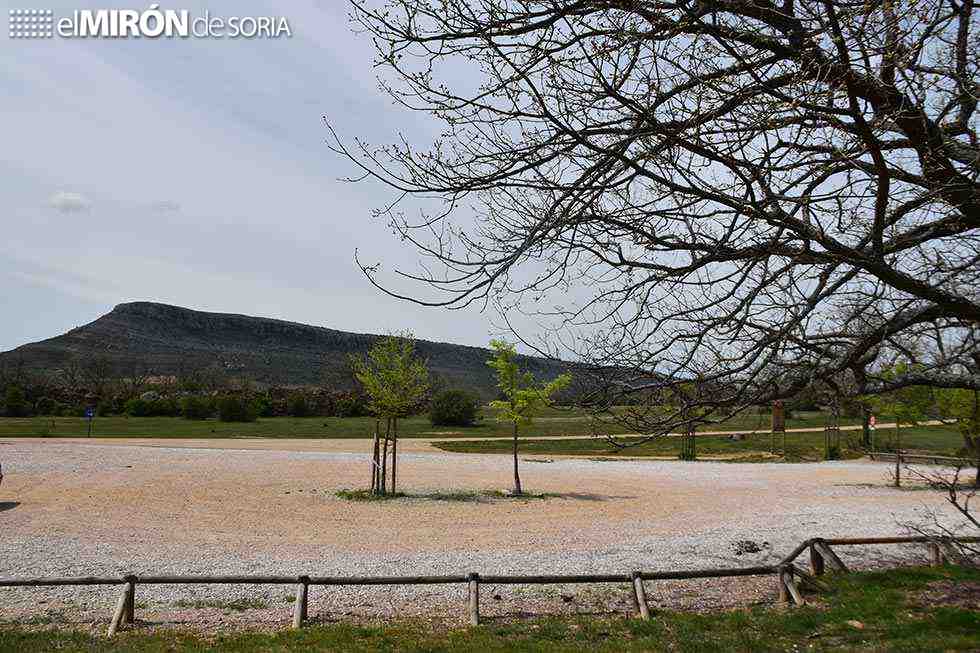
x=96, y=507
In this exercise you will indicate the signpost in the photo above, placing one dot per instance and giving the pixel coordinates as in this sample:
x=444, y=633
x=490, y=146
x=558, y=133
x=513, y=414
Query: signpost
x=89, y=416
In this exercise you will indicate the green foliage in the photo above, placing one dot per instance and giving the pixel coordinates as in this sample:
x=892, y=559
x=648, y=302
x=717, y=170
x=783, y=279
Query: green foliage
x=195, y=407
x=350, y=405
x=263, y=406
x=453, y=408
x=394, y=379
x=137, y=408
x=15, y=402
x=45, y=406
x=297, y=406
x=964, y=407
x=234, y=408
x=907, y=405
x=522, y=396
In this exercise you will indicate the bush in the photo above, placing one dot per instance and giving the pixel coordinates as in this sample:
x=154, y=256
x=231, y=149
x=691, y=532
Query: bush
x=45, y=406
x=351, y=405
x=235, y=409
x=263, y=406
x=453, y=408
x=15, y=403
x=297, y=406
x=192, y=407
x=137, y=408
x=151, y=408
x=165, y=408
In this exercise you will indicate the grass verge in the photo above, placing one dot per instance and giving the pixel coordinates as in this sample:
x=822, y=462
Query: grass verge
x=466, y=496
x=796, y=447
x=926, y=609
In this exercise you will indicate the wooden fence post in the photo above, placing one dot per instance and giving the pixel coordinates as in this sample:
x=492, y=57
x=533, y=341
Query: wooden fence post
x=787, y=582
x=301, y=605
x=130, y=616
x=121, y=606
x=474, y=599
x=640, y=594
x=781, y=586
x=831, y=558
x=816, y=561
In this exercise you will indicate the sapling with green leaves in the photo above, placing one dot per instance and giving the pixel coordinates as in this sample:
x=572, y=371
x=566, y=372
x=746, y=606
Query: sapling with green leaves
x=395, y=381
x=523, y=396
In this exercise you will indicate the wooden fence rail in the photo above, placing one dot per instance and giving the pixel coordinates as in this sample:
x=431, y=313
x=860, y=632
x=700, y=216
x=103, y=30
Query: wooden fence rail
x=786, y=572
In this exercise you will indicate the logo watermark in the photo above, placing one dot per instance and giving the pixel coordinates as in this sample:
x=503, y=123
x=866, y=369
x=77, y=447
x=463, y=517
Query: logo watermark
x=31, y=23
x=149, y=23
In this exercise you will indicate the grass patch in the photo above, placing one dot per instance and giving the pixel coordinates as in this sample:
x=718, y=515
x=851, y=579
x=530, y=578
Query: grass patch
x=798, y=447
x=235, y=605
x=464, y=496
x=367, y=495
x=552, y=422
x=895, y=610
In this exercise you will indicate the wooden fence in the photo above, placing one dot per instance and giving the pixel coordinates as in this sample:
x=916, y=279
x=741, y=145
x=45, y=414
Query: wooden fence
x=923, y=459
x=786, y=572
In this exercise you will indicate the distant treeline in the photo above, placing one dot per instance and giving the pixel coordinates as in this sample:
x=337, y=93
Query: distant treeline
x=91, y=383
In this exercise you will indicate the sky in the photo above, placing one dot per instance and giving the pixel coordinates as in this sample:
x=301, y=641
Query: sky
x=195, y=172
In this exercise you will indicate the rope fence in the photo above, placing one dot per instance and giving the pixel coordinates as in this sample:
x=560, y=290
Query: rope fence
x=786, y=572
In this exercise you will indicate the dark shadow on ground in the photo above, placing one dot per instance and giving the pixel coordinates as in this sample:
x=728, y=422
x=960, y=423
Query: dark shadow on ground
x=8, y=505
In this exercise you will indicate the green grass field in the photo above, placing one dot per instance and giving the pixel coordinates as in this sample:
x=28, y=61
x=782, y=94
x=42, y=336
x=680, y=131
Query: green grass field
x=798, y=446
x=923, y=610
x=551, y=423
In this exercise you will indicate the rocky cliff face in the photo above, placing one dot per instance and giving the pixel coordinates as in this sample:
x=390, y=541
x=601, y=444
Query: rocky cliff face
x=165, y=340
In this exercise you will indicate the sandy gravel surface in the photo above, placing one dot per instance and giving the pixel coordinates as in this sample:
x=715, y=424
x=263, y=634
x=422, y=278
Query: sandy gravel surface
x=268, y=507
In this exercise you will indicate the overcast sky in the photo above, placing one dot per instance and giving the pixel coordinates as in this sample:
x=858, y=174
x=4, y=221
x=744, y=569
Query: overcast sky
x=194, y=172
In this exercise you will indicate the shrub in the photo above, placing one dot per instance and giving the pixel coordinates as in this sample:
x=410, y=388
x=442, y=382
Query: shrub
x=263, y=406
x=105, y=408
x=297, y=406
x=166, y=407
x=193, y=407
x=15, y=403
x=45, y=406
x=137, y=408
x=453, y=408
x=235, y=409
x=350, y=405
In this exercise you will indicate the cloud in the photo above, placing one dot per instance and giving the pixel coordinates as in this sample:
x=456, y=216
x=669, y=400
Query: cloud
x=69, y=202
x=165, y=206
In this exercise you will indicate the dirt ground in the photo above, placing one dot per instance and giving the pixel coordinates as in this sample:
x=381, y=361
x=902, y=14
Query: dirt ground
x=81, y=507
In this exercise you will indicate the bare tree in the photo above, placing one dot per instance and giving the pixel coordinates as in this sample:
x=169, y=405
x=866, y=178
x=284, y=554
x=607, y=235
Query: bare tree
x=951, y=534
x=762, y=196
x=97, y=372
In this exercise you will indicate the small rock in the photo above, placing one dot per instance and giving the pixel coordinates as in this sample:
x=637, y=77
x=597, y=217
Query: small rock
x=855, y=624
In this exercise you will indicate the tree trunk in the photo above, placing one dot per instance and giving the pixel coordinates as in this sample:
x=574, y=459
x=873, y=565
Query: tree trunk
x=384, y=458
x=865, y=427
x=517, y=474
x=394, y=454
x=975, y=438
x=375, y=455
x=898, y=453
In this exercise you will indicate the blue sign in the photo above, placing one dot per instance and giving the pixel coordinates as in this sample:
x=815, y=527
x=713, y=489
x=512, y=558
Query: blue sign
x=89, y=413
